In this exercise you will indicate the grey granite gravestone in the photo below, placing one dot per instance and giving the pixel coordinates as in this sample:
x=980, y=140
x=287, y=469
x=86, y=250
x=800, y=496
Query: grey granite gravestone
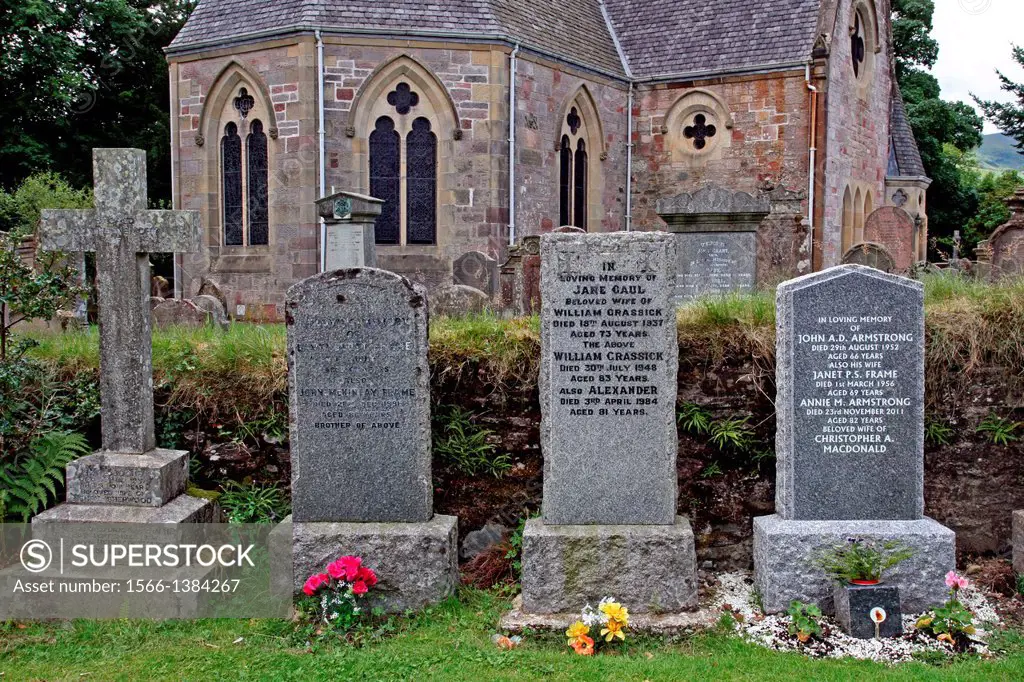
x=360, y=434
x=130, y=479
x=849, y=435
x=609, y=356
x=478, y=270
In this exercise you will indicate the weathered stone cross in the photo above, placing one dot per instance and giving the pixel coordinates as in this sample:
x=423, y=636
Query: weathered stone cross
x=122, y=233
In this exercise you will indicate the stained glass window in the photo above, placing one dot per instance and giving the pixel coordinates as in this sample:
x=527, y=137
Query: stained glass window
x=565, y=182
x=259, y=223
x=574, y=121
x=244, y=102
x=231, y=169
x=402, y=98
x=421, y=171
x=580, y=190
x=385, y=178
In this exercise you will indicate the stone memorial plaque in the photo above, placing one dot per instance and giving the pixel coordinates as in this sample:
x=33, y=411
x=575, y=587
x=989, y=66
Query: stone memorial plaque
x=348, y=247
x=360, y=398
x=895, y=229
x=850, y=402
x=608, y=378
x=715, y=263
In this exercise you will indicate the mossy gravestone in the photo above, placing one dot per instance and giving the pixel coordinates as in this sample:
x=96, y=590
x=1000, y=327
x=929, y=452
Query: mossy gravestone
x=609, y=357
x=850, y=436
x=360, y=435
x=130, y=480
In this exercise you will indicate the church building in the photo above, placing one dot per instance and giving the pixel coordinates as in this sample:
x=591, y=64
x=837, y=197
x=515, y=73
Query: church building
x=483, y=122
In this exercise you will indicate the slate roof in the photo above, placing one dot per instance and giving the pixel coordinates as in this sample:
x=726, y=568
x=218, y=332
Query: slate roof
x=670, y=37
x=574, y=30
x=904, y=156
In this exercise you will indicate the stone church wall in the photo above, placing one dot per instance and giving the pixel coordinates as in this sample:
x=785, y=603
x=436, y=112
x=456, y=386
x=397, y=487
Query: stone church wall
x=759, y=144
x=857, y=149
x=545, y=96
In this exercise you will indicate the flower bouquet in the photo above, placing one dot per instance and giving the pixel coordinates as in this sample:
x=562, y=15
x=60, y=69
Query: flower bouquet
x=609, y=622
x=339, y=592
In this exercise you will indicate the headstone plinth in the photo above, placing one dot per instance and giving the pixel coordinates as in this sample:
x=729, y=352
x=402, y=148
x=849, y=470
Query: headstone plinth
x=129, y=480
x=869, y=611
x=360, y=435
x=609, y=357
x=350, y=220
x=849, y=436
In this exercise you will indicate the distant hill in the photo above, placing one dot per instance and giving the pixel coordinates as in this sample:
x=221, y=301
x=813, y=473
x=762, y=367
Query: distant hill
x=997, y=152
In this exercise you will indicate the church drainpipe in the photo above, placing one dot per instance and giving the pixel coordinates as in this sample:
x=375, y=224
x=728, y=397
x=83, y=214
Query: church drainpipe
x=813, y=148
x=513, y=62
x=629, y=160
x=322, y=134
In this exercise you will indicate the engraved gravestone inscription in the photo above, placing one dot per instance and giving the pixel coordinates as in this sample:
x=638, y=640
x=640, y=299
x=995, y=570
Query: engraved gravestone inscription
x=608, y=378
x=360, y=412
x=850, y=436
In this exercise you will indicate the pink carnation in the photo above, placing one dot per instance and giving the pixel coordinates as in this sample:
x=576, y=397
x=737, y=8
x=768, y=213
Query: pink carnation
x=359, y=587
x=367, y=576
x=956, y=582
x=349, y=566
x=315, y=582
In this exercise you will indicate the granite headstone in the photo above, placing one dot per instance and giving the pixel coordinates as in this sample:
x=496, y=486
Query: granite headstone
x=478, y=270
x=872, y=255
x=609, y=355
x=715, y=263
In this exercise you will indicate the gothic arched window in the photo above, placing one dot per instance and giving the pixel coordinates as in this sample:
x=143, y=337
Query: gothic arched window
x=231, y=180
x=385, y=178
x=579, y=190
x=565, y=182
x=858, y=44
x=421, y=170
x=257, y=170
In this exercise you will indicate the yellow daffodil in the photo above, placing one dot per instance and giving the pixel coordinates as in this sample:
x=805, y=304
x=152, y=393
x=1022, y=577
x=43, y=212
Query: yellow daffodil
x=616, y=612
x=577, y=631
x=612, y=630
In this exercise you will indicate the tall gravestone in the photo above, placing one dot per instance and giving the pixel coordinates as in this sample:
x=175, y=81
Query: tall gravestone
x=349, y=222
x=360, y=435
x=609, y=357
x=850, y=436
x=130, y=479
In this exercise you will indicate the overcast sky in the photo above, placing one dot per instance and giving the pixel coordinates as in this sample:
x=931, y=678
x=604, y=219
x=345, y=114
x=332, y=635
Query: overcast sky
x=974, y=40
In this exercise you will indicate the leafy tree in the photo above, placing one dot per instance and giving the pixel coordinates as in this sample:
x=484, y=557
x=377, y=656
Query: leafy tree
x=944, y=130
x=993, y=190
x=1009, y=116
x=79, y=74
x=32, y=291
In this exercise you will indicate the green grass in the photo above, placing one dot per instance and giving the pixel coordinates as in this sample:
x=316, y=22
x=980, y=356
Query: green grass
x=448, y=642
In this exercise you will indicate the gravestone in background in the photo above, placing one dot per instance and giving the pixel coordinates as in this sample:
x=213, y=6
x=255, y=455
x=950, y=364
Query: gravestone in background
x=1007, y=241
x=478, y=270
x=872, y=255
x=130, y=480
x=895, y=229
x=609, y=357
x=350, y=226
x=850, y=436
x=360, y=435
x=716, y=240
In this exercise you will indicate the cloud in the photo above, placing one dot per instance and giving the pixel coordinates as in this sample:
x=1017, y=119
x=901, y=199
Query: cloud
x=975, y=38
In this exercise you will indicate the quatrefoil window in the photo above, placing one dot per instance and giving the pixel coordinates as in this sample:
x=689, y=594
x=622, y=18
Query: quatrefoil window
x=402, y=98
x=244, y=103
x=700, y=132
x=573, y=120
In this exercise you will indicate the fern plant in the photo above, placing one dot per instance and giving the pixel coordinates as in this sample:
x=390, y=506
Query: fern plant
x=998, y=430
x=732, y=433
x=694, y=419
x=467, y=447
x=30, y=481
x=254, y=503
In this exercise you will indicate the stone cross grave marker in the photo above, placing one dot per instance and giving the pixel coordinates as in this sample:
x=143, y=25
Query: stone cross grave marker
x=849, y=436
x=130, y=480
x=122, y=233
x=360, y=435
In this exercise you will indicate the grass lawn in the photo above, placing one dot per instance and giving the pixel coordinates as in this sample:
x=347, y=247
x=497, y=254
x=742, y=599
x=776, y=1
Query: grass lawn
x=448, y=642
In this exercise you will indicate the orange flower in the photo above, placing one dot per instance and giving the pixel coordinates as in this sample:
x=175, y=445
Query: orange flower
x=584, y=646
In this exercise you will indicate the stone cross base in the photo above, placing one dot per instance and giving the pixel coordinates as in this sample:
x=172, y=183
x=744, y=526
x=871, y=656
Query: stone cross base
x=417, y=564
x=649, y=569
x=1018, y=541
x=784, y=554
x=112, y=487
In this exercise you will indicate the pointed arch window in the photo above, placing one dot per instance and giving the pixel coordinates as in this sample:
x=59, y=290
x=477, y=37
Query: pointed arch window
x=573, y=171
x=421, y=204
x=231, y=164
x=245, y=172
x=565, y=181
x=259, y=219
x=385, y=178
